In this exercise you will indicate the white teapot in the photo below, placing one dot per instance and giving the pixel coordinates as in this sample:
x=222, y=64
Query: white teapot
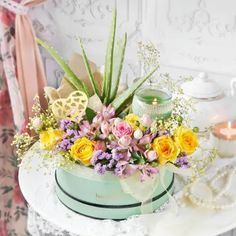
x=213, y=105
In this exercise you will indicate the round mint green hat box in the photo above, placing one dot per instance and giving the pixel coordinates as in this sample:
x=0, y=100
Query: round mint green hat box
x=153, y=102
x=102, y=197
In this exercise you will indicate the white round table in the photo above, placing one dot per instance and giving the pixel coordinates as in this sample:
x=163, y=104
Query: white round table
x=38, y=189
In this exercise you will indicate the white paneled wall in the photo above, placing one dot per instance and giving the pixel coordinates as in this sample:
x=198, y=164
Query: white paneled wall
x=192, y=35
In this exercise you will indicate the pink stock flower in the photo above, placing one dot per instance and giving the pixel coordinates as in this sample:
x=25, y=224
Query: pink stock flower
x=85, y=128
x=105, y=114
x=108, y=112
x=100, y=145
x=105, y=128
x=146, y=139
x=122, y=129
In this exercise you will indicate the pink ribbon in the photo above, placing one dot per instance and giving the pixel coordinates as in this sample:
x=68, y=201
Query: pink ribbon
x=30, y=70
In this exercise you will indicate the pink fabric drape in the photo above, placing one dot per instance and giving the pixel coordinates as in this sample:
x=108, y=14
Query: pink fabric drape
x=30, y=71
x=13, y=210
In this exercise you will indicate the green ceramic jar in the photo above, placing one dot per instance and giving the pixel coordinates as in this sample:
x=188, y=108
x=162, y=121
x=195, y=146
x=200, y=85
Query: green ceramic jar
x=105, y=198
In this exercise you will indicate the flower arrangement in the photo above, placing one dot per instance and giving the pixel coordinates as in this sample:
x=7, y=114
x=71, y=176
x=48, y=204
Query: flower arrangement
x=109, y=137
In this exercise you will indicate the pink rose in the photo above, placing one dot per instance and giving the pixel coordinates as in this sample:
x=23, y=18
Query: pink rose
x=100, y=145
x=125, y=141
x=122, y=129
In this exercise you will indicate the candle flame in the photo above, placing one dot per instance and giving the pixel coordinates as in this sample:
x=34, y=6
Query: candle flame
x=154, y=102
x=229, y=128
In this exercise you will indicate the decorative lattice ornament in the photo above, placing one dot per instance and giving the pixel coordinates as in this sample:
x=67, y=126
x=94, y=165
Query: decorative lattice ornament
x=72, y=108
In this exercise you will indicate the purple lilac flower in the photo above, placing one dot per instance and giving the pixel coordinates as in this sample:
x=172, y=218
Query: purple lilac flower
x=119, y=154
x=124, y=169
x=147, y=171
x=100, y=155
x=65, y=124
x=65, y=144
x=163, y=132
x=183, y=162
x=100, y=169
x=116, y=155
x=73, y=134
x=102, y=161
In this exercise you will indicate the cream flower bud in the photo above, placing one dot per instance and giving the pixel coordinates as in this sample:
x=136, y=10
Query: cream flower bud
x=138, y=134
x=151, y=155
x=37, y=123
x=146, y=120
x=125, y=141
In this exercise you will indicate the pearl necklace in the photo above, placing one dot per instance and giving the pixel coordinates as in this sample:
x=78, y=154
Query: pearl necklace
x=209, y=194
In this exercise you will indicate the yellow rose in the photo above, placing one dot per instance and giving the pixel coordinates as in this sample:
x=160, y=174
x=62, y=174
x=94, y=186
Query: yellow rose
x=166, y=149
x=82, y=150
x=133, y=120
x=49, y=138
x=186, y=139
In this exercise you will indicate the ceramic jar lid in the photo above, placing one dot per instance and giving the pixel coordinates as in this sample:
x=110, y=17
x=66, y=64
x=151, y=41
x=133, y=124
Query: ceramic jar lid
x=201, y=87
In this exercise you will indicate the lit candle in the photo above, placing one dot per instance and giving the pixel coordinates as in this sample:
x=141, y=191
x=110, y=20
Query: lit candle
x=153, y=102
x=224, y=138
x=229, y=131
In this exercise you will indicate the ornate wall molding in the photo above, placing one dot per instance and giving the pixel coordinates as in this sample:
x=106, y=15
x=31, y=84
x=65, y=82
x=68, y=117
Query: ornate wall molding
x=194, y=34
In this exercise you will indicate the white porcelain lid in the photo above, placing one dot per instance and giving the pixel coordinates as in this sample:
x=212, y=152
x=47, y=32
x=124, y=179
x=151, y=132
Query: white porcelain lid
x=201, y=87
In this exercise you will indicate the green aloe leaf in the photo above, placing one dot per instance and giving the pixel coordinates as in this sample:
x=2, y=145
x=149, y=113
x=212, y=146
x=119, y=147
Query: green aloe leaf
x=89, y=71
x=125, y=98
x=119, y=55
x=106, y=87
x=70, y=76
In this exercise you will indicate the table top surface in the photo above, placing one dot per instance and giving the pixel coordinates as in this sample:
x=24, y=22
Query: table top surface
x=38, y=189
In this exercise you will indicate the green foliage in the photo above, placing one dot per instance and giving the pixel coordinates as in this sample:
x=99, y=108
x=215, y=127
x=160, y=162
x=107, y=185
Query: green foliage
x=90, y=114
x=124, y=99
x=70, y=76
x=107, y=80
x=89, y=71
x=137, y=158
x=119, y=55
x=113, y=68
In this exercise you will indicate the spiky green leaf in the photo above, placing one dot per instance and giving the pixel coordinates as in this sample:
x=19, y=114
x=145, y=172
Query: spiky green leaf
x=118, y=59
x=125, y=98
x=89, y=71
x=70, y=76
x=106, y=86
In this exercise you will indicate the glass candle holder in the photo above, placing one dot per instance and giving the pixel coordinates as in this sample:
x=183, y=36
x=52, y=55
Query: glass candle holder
x=223, y=136
x=153, y=102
